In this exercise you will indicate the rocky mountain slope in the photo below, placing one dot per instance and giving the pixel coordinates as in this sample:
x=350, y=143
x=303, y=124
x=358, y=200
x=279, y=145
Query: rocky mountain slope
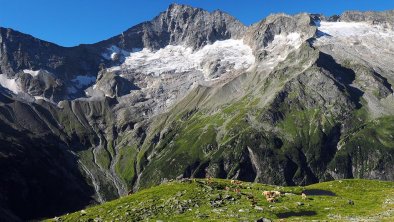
x=290, y=100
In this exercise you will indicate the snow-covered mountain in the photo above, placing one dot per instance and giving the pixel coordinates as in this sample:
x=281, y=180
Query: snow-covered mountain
x=290, y=100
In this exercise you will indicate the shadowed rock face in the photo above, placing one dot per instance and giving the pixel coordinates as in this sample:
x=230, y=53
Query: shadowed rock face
x=193, y=94
x=43, y=180
x=20, y=51
x=58, y=65
x=39, y=177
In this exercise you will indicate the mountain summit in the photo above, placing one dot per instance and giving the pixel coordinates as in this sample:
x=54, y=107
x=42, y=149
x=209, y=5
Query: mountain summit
x=181, y=24
x=290, y=100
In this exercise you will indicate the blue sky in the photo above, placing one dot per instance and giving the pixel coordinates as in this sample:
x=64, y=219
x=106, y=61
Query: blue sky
x=71, y=22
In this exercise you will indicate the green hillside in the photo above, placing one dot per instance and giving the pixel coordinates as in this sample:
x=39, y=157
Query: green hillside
x=224, y=200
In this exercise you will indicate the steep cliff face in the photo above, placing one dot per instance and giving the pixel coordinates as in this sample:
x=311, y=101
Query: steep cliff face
x=290, y=100
x=180, y=25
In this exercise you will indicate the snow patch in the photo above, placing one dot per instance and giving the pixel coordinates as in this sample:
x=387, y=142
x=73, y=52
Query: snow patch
x=84, y=80
x=43, y=98
x=31, y=72
x=352, y=33
x=80, y=82
x=292, y=39
x=10, y=84
x=114, y=55
x=353, y=29
x=113, y=51
x=178, y=59
x=344, y=29
x=280, y=47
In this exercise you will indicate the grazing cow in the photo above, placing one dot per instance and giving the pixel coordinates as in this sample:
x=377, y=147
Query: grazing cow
x=271, y=196
x=267, y=194
x=236, y=182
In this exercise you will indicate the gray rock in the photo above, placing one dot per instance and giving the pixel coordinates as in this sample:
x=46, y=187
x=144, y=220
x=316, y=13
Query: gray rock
x=382, y=18
x=181, y=24
x=258, y=208
x=259, y=35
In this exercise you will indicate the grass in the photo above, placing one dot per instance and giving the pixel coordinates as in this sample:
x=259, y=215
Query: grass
x=376, y=133
x=103, y=158
x=209, y=200
x=125, y=165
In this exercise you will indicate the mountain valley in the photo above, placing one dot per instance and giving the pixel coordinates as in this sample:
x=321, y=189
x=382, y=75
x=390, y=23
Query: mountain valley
x=292, y=100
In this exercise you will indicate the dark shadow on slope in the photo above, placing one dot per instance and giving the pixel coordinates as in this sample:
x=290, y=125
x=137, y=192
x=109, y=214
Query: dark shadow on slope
x=6, y=215
x=5, y=95
x=318, y=192
x=330, y=144
x=222, y=169
x=201, y=171
x=309, y=176
x=322, y=34
x=387, y=86
x=289, y=171
x=326, y=152
x=124, y=86
x=190, y=169
x=297, y=169
x=296, y=214
x=247, y=172
x=384, y=81
x=341, y=74
x=40, y=179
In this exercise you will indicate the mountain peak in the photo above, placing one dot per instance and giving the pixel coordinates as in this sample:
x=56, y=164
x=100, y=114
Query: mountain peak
x=177, y=10
x=181, y=24
x=176, y=6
